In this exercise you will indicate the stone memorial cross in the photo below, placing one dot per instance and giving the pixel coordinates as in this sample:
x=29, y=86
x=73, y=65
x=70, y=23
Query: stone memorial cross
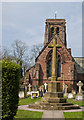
x=29, y=87
x=54, y=59
x=80, y=84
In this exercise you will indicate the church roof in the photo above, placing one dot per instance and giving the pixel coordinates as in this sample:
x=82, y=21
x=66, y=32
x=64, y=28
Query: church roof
x=79, y=63
x=47, y=45
x=42, y=50
x=30, y=68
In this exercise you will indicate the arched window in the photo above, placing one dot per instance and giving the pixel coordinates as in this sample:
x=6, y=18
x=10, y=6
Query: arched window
x=49, y=66
x=58, y=66
x=57, y=30
x=52, y=31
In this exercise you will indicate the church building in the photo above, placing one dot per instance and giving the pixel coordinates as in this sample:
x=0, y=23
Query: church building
x=69, y=69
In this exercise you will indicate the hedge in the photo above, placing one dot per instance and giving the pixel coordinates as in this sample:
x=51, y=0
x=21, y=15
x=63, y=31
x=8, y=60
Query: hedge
x=10, y=86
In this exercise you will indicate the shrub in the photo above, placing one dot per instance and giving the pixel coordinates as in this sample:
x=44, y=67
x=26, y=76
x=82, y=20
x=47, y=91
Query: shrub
x=10, y=86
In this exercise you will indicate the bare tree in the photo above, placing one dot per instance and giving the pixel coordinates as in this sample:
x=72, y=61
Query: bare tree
x=5, y=53
x=21, y=54
x=35, y=50
x=27, y=63
x=19, y=49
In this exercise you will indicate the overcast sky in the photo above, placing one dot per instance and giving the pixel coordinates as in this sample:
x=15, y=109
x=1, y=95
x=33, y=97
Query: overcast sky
x=26, y=22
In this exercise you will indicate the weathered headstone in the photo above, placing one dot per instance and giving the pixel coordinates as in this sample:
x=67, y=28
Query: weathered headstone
x=65, y=87
x=28, y=93
x=40, y=88
x=22, y=92
x=79, y=95
x=40, y=92
x=70, y=96
x=73, y=92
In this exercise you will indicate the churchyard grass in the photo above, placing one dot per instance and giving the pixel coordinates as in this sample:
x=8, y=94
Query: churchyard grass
x=28, y=114
x=28, y=100
x=73, y=115
x=80, y=103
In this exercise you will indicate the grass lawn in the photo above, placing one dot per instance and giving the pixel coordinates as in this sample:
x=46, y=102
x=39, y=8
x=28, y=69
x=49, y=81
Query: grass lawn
x=28, y=114
x=28, y=100
x=71, y=115
x=33, y=114
x=80, y=103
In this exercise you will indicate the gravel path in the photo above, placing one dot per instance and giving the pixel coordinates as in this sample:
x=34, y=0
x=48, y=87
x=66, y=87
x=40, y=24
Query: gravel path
x=53, y=114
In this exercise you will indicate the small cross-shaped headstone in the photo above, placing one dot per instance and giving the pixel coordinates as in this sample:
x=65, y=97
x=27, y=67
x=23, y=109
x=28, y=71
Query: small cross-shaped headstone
x=29, y=87
x=80, y=84
x=45, y=86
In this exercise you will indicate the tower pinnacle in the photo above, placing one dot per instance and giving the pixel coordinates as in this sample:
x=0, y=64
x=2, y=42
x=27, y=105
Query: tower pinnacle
x=55, y=14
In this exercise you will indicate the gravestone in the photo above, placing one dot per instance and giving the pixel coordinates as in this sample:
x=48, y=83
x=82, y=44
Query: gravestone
x=73, y=92
x=29, y=92
x=22, y=92
x=70, y=96
x=42, y=87
x=41, y=90
x=45, y=85
x=65, y=87
x=80, y=84
x=29, y=86
x=79, y=94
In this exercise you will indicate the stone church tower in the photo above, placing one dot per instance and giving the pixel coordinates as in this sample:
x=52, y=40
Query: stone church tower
x=51, y=25
x=40, y=73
